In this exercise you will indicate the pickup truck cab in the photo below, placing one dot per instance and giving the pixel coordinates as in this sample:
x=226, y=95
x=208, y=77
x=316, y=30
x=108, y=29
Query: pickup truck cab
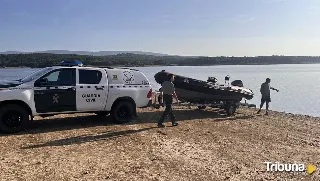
x=73, y=89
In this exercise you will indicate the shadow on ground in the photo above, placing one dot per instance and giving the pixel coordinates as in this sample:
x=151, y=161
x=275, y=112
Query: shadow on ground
x=72, y=123
x=87, y=138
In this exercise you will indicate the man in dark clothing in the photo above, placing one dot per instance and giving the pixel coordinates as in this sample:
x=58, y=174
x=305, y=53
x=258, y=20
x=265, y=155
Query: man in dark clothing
x=167, y=93
x=265, y=93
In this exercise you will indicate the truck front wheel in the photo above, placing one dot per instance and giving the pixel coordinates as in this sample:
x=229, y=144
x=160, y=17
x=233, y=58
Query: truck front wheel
x=122, y=112
x=13, y=118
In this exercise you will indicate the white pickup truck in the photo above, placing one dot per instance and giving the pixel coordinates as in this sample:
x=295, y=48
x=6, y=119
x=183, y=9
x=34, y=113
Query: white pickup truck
x=73, y=89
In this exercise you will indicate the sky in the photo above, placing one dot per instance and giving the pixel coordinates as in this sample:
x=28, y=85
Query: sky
x=177, y=27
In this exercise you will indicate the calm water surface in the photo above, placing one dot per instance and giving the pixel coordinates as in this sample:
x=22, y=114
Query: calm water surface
x=298, y=84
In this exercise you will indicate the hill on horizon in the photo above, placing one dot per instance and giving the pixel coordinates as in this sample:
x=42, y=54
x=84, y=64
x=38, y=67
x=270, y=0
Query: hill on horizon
x=98, y=53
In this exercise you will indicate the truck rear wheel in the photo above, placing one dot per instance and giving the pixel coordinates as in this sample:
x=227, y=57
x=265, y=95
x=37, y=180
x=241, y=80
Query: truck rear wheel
x=13, y=118
x=122, y=112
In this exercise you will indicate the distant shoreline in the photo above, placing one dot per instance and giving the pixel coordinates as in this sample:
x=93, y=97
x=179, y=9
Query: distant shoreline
x=38, y=60
x=166, y=65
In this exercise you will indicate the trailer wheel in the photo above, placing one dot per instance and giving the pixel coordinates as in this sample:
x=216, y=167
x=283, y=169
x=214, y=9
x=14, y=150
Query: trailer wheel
x=230, y=109
x=201, y=107
x=13, y=118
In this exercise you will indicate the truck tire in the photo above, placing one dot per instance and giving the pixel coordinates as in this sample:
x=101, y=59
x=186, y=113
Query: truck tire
x=13, y=118
x=122, y=112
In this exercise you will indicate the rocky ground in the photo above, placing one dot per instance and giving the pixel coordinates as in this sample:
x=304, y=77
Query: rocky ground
x=205, y=146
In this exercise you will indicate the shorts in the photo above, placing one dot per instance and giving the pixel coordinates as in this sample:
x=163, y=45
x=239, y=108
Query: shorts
x=265, y=99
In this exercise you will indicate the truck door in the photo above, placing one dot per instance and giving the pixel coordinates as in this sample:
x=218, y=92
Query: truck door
x=56, y=91
x=92, y=89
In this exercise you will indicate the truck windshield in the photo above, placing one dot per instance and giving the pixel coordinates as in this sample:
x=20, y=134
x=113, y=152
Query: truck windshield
x=36, y=74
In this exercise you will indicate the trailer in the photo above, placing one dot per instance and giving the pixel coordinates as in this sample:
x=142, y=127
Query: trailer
x=228, y=106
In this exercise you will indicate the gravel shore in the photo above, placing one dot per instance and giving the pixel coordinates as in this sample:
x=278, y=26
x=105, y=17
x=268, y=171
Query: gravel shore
x=205, y=146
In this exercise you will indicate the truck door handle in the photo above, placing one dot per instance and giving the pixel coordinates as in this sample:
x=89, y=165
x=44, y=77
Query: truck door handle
x=100, y=88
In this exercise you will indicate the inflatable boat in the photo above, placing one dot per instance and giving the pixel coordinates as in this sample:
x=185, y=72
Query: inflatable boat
x=198, y=91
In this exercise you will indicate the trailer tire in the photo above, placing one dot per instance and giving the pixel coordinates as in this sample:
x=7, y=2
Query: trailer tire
x=230, y=109
x=202, y=107
x=13, y=118
x=122, y=112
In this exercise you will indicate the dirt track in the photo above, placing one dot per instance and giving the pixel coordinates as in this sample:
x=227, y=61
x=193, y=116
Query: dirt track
x=205, y=146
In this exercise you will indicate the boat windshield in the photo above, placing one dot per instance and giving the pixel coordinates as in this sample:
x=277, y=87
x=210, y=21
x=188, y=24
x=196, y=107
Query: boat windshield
x=36, y=74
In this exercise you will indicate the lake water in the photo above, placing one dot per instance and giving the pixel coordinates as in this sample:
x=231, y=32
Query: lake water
x=299, y=85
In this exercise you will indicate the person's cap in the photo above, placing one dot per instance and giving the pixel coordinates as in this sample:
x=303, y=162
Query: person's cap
x=268, y=79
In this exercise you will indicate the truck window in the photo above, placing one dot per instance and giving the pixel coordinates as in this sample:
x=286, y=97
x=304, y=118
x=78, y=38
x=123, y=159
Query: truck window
x=36, y=74
x=89, y=76
x=60, y=77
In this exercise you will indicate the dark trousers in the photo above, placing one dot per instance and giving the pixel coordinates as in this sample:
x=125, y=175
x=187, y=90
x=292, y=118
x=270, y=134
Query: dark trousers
x=168, y=111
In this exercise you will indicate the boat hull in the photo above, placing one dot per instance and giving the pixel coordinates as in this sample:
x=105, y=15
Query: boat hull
x=193, y=90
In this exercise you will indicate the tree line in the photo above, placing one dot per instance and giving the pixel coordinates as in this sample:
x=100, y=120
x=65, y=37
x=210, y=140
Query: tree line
x=38, y=60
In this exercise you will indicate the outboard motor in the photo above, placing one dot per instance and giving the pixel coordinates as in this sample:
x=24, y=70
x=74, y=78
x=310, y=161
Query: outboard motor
x=212, y=79
x=238, y=83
